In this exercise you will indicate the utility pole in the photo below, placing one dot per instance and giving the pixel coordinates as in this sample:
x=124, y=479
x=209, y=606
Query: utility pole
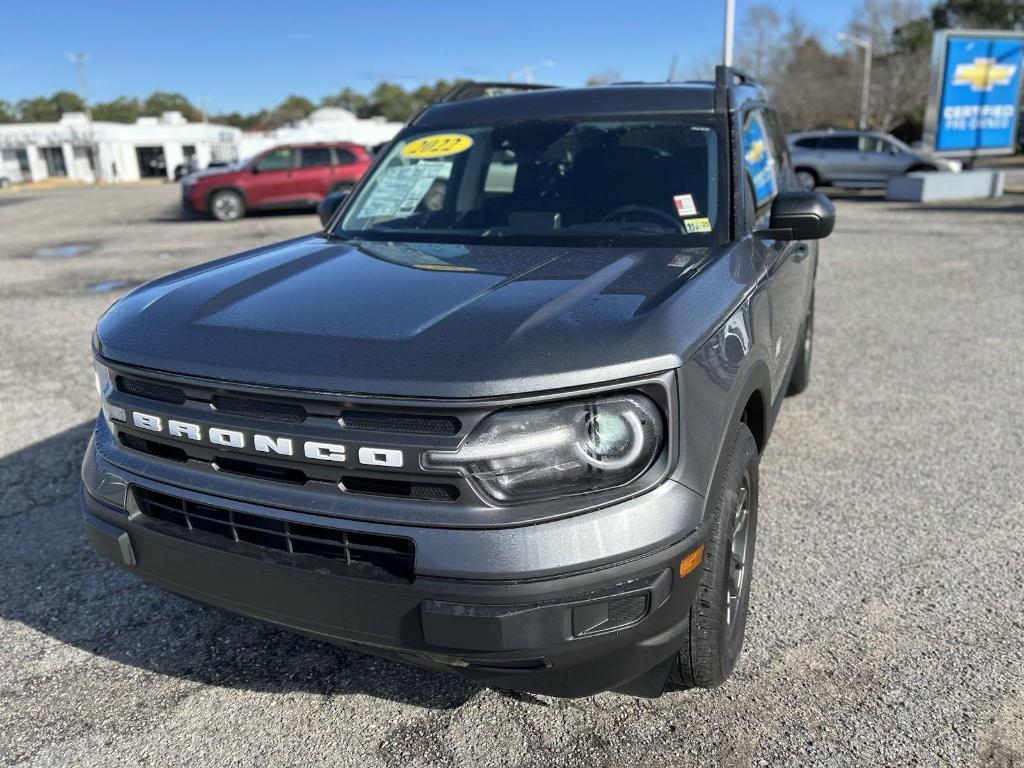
x=730, y=27
x=865, y=88
x=79, y=59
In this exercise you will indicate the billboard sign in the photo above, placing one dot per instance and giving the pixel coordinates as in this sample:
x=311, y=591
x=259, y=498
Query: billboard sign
x=975, y=99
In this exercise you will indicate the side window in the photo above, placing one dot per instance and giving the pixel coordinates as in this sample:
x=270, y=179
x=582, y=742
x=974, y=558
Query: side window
x=760, y=159
x=873, y=144
x=840, y=143
x=314, y=157
x=343, y=156
x=277, y=160
x=809, y=143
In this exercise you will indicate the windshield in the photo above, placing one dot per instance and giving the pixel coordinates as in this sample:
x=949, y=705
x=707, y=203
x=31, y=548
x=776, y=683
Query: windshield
x=546, y=181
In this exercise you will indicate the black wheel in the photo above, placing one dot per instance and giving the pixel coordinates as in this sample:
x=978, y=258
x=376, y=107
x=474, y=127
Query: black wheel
x=805, y=347
x=227, y=205
x=713, y=635
x=341, y=186
x=807, y=178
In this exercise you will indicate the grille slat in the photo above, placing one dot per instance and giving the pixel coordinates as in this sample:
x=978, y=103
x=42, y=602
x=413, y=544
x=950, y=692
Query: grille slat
x=259, y=409
x=410, y=424
x=151, y=390
x=362, y=555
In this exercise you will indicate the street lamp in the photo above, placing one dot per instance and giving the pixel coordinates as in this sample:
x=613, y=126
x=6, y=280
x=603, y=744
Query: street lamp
x=79, y=59
x=860, y=42
x=527, y=72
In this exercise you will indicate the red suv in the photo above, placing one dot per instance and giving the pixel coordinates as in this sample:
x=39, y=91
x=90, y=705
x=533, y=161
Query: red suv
x=292, y=176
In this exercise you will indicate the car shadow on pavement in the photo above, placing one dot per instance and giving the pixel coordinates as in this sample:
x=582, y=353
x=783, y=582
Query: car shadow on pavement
x=52, y=582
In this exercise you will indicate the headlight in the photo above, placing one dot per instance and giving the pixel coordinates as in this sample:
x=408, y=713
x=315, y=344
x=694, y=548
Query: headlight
x=104, y=387
x=549, y=451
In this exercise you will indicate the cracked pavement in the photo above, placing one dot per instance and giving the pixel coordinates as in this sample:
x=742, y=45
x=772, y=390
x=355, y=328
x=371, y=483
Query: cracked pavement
x=887, y=625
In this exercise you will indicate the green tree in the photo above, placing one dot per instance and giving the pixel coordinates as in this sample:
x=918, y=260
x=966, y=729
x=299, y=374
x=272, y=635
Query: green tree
x=123, y=109
x=979, y=14
x=159, y=102
x=66, y=101
x=291, y=110
x=37, y=110
x=346, y=98
x=390, y=101
x=6, y=112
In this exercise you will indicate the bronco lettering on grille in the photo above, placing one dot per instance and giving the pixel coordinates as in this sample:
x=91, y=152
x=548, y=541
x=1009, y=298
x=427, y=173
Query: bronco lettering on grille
x=269, y=444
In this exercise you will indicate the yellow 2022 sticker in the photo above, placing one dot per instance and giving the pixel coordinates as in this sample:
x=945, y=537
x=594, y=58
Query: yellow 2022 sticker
x=438, y=145
x=694, y=226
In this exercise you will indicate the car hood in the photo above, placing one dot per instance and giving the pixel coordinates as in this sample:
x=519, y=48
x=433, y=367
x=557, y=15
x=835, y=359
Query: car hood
x=425, y=320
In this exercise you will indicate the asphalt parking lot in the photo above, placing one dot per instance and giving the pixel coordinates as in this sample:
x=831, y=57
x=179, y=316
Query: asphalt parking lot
x=887, y=622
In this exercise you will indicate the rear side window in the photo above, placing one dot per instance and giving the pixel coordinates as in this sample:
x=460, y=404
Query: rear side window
x=809, y=143
x=842, y=143
x=760, y=159
x=313, y=157
x=343, y=156
x=277, y=160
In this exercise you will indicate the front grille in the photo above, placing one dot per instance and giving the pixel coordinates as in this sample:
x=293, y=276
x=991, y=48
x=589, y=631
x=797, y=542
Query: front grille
x=350, y=553
x=151, y=390
x=394, y=422
x=260, y=409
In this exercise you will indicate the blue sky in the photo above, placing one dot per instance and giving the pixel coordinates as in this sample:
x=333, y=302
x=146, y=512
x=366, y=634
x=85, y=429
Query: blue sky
x=247, y=55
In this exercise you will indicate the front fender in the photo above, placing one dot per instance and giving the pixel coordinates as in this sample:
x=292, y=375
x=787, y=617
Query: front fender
x=715, y=386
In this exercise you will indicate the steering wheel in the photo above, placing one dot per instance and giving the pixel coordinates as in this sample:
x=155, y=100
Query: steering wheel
x=622, y=212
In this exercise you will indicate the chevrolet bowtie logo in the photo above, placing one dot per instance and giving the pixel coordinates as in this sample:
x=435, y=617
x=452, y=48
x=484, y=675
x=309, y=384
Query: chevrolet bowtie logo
x=983, y=74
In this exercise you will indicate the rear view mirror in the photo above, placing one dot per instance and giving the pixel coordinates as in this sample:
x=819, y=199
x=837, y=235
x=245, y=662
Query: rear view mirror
x=805, y=215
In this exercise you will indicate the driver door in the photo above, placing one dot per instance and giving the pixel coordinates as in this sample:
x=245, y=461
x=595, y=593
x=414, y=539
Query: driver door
x=272, y=178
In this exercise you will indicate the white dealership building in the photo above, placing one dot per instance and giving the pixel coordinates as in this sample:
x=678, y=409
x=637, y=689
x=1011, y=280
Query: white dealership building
x=324, y=124
x=86, y=150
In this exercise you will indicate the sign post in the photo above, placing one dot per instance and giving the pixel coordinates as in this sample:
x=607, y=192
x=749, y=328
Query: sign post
x=975, y=96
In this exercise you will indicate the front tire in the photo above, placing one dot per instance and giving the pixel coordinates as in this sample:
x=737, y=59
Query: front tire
x=227, y=205
x=715, y=625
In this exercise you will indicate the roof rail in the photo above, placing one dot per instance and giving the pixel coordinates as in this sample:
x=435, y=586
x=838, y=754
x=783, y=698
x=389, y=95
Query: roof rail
x=724, y=78
x=476, y=90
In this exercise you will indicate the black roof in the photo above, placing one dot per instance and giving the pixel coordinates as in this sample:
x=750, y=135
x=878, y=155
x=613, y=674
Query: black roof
x=527, y=102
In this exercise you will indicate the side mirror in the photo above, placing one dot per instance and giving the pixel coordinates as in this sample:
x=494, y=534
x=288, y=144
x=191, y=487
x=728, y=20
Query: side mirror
x=330, y=204
x=805, y=215
x=254, y=168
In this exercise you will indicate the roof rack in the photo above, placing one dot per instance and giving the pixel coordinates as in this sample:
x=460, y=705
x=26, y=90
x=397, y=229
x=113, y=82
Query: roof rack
x=476, y=90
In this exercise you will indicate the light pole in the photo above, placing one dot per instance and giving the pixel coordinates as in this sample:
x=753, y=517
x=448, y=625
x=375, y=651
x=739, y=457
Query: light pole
x=527, y=72
x=730, y=25
x=79, y=59
x=866, y=85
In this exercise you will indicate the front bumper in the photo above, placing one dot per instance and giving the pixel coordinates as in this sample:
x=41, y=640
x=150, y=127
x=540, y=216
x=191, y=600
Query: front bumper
x=587, y=628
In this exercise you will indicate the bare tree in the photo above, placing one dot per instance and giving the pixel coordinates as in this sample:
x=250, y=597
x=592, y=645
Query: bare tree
x=899, y=84
x=760, y=49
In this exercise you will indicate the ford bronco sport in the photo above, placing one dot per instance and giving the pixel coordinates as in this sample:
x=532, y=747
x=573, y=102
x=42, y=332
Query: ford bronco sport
x=502, y=417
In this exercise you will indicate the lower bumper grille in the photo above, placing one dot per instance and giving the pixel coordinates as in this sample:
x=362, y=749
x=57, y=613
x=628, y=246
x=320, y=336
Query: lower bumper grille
x=313, y=547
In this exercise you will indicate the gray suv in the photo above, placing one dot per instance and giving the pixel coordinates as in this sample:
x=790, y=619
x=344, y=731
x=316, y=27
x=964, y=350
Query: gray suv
x=857, y=158
x=503, y=416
